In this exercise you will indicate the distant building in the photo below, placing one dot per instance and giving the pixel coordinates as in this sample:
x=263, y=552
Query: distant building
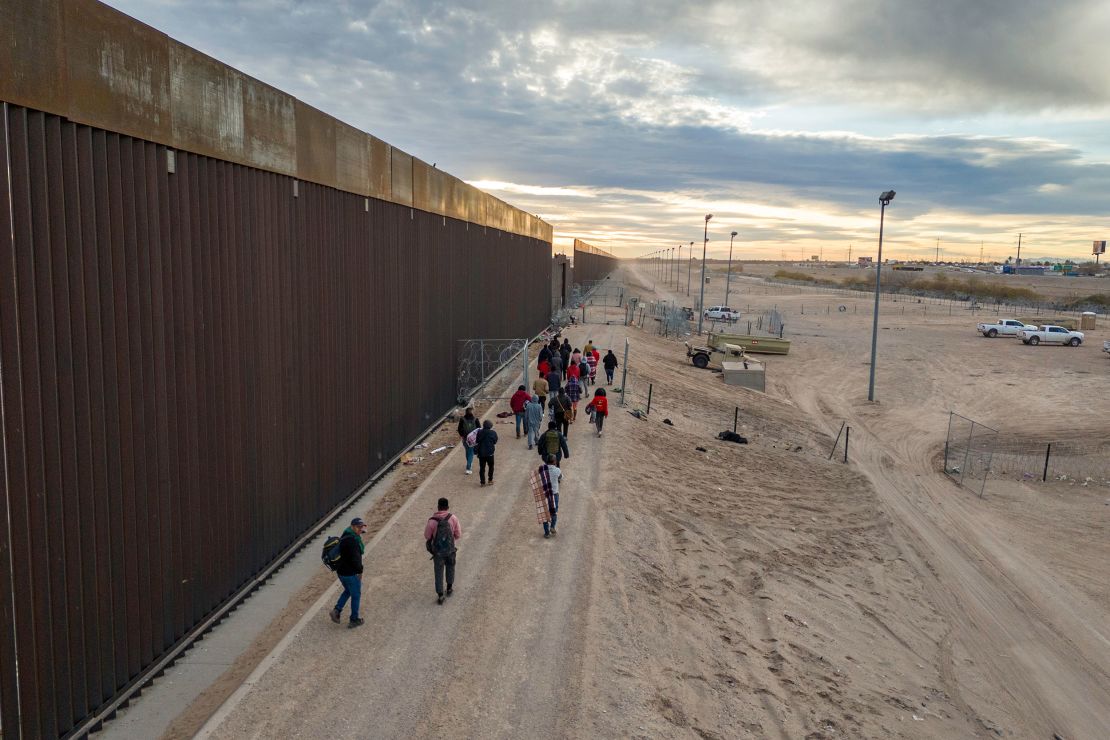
x=863, y=262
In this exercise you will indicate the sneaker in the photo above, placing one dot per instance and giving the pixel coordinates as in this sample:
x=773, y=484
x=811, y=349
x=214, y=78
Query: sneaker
x=529, y=446
x=482, y=483
x=450, y=590
x=356, y=623
x=553, y=532
x=491, y=480
x=440, y=598
x=470, y=472
x=334, y=614
x=547, y=535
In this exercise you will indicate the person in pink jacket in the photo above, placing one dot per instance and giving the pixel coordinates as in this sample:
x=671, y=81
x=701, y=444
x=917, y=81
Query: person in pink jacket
x=440, y=534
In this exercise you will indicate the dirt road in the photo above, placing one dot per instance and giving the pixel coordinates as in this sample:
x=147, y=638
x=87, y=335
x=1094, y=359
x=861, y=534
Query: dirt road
x=501, y=658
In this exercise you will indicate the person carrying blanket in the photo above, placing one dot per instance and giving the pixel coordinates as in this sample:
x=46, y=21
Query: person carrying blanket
x=545, y=492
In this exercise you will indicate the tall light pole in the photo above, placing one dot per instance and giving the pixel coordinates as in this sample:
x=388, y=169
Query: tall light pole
x=884, y=200
x=689, y=268
x=728, y=279
x=701, y=293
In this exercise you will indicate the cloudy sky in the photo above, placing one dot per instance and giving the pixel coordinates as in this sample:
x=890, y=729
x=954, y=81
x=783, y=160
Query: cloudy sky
x=624, y=123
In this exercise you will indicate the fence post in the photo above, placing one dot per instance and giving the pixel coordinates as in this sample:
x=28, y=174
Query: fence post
x=1047, y=454
x=525, y=359
x=837, y=440
x=735, y=419
x=847, y=431
x=946, y=438
x=649, y=399
x=970, y=437
x=624, y=373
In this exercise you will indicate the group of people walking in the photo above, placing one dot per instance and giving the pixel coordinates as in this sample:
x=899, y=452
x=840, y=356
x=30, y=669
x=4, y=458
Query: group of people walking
x=564, y=378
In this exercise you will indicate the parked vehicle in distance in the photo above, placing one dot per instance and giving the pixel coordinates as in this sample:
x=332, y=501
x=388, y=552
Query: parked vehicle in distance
x=721, y=313
x=1050, y=334
x=1106, y=347
x=1005, y=327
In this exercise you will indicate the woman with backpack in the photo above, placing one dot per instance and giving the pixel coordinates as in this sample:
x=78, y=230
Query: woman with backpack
x=598, y=408
x=468, y=424
x=485, y=444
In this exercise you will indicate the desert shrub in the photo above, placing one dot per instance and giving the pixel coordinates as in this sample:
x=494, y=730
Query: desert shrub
x=800, y=276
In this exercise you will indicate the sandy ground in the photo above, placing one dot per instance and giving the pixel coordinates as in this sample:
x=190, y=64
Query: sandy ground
x=755, y=590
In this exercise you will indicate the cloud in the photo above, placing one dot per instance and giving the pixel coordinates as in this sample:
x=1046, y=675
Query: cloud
x=787, y=117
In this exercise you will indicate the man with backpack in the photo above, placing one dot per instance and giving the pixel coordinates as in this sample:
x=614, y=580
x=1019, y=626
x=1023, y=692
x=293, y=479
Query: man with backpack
x=440, y=534
x=349, y=570
x=552, y=442
x=468, y=424
x=561, y=407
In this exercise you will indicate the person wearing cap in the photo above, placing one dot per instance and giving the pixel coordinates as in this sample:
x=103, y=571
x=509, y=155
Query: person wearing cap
x=440, y=533
x=349, y=571
x=468, y=424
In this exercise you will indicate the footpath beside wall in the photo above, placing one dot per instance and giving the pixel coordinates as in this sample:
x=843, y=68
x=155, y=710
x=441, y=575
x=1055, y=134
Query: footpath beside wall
x=202, y=354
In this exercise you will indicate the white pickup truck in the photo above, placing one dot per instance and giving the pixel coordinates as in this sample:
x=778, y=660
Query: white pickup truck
x=1005, y=327
x=1049, y=334
x=1106, y=347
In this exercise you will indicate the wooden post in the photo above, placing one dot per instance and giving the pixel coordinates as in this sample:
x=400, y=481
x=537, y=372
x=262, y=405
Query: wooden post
x=649, y=400
x=847, y=431
x=1047, y=454
x=735, y=419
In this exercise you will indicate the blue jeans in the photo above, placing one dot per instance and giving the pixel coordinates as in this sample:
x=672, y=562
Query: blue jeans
x=533, y=435
x=519, y=421
x=469, y=455
x=554, y=516
x=352, y=589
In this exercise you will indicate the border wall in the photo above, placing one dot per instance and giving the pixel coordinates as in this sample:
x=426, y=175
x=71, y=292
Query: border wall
x=206, y=344
x=591, y=264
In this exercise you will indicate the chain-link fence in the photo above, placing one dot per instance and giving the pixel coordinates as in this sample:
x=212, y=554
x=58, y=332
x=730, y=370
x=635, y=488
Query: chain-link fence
x=967, y=452
x=974, y=452
x=480, y=359
x=1083, y=461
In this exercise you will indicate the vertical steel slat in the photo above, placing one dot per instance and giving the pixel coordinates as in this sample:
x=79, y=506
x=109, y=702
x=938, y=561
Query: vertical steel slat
x=13, y=490
x=52, y=583
x=112, y=535
x=73, y=363
x=95, y=498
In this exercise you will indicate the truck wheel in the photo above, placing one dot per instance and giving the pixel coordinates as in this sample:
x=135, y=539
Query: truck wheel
x=1074, y=341
x=1034, y=341
x=992, y=333
x=701, y=361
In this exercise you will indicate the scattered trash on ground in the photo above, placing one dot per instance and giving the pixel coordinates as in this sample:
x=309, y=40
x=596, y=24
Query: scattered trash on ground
x=438, y=450
x=421, y=446
x=701, y=449
x=504, y=414
x=728, y=436
x=668, y=422
x=638, y=413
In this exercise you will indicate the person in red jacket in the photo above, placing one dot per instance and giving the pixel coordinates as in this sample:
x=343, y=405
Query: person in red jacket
x=516, y=403
x=598, y=408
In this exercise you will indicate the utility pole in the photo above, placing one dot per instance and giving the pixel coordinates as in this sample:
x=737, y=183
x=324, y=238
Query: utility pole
x=938, y=251
x=701, y=291
x=1019, y=252
x=689, y=268
x=849, y=254
x=728, y=278
x=980, y=253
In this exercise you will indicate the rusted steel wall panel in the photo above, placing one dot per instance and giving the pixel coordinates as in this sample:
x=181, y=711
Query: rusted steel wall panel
x=118, y=71
x=591, y=263
x=94, y=65
x=400, y=170
x=189, y=357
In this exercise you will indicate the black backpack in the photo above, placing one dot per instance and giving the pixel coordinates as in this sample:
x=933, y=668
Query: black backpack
x=332, y=552
x=443, y=541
